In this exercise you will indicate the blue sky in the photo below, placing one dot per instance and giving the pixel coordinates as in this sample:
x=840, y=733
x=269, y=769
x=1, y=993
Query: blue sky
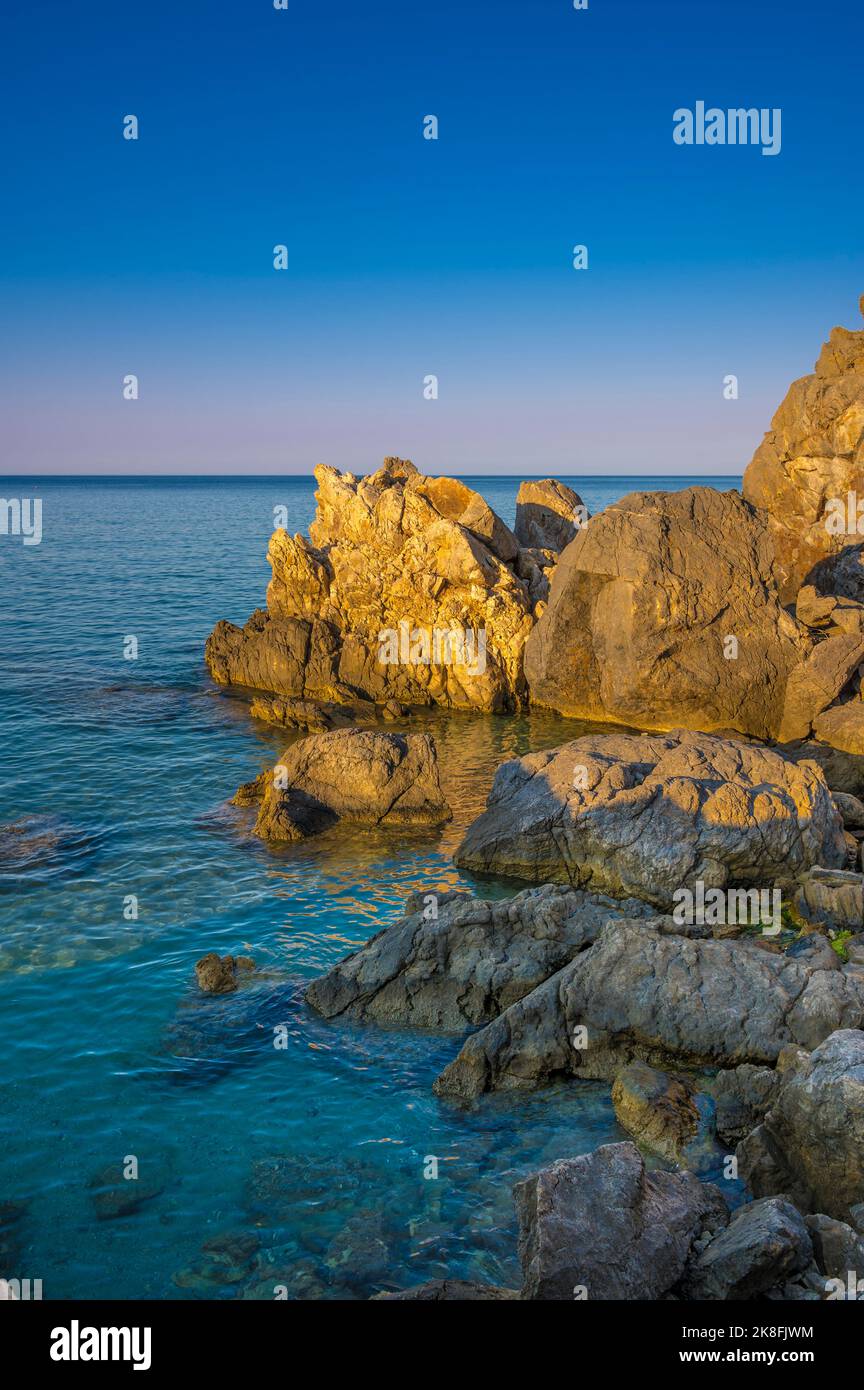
x=410, y=257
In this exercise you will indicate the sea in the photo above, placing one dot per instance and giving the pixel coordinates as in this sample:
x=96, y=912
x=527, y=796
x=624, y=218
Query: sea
x=155, y=1143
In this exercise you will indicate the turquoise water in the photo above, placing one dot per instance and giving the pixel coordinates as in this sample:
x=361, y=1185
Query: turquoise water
x=314, y=1152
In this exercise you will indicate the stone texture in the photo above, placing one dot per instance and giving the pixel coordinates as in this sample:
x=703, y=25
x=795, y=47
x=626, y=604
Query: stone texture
x=819, y=681
x=642, y=604
x=390, y=548
x=742, y=1095
x=813, y=452
x=363, y=776
x=838, y=1247
x=851, y=809
x=605, y=1224
x=833, y=899
x=638, y=993
x=842, y=726
x=811, y=1142
x=449, y=1291
x=547, y=514
x=765, y=1243
x=653, y=814
x=465, y=965
x=218, y=974
x=659, y=1110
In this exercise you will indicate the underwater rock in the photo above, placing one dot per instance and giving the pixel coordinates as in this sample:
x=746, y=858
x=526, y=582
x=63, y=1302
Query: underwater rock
x=218, y=974
x=212, y=1034
x=113, y=1194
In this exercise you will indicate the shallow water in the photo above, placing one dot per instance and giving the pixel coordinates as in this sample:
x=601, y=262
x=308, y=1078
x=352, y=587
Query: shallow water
x=126, y=767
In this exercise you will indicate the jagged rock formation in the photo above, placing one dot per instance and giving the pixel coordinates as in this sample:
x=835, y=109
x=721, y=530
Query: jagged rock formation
x=548, y=514
x=645, y=816
x=409, y=588
x=665, y=1000
x=455, y=961
x=665, y=612
x=813, y=455
x=356, y=775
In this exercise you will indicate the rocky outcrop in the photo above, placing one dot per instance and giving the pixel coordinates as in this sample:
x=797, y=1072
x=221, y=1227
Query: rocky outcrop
x=638, y=993
x=819, y=681
x=646, y=816
x=765, y=1244
x=603, y=1227
x=548, y=514
x=657, y=1109
x=813, y=457
x=363, y=776
x=409, y=588
x=218, y=974
x=811, y=1142
x=665, y=612
x=456, y=961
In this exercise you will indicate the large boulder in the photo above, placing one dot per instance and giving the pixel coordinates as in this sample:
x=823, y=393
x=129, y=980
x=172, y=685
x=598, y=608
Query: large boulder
x=602, y=1226
x=811, y=1142
x=765, y=1243
x=648, y=815
x=659, y=1110
x=409, y=588
x=357, y=775
x=639, y=993
x=813, y=457
x=664, y=612
x=455, y=961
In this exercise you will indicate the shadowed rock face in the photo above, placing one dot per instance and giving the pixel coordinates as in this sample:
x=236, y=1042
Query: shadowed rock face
x=648, y=815
x=813, y=453
x=811, y=1142
x=390, y=549
x=640, y=994
x=547, y=514
x=603, y=1223
x=357, y=775
x=764, y=1243
x=467, y=963
x=641, y=608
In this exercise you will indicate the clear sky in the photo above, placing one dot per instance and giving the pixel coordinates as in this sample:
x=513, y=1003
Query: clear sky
x=410, y=257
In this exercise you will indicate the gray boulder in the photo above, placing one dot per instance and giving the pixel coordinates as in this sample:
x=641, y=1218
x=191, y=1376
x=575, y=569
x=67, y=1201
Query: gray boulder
x=638, y=993
x=838, y=1247
x=456, y=961
x=765, y=1243
x=742, y=1095
x=644, y=816
x=602, y=1226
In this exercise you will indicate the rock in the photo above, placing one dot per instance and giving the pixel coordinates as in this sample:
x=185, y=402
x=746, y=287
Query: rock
x=218, y=974
x=641, y=610
x=742, y=1095
x=815, y=951
x=212, y=1034
x=844, y=772
x=833, y=899
x=292, y=714
x=632, y=995
x=813, y=608
x=604, y=1224
x=838, y=1248
x=818, y=682
x=113, y=1194
x=362, y=776
x=810, y=1142
x=359, y=1253
x=645, y=816
x=449, y=1291
x=842, y=726
x=811, y=457
x=457, y=961
x=765, y=1242
x=657, y=1109
x=393, y=559
x=851, y=809
x=548, y=514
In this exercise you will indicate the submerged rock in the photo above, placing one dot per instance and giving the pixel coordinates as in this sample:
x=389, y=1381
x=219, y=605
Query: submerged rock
x=457, y=960
x=218, y=974
x=648, y=815
x=812, y=457
x=641, y=994
x=603, y=1227
x=363, y=776
x=645, y=606
x=113, y=1194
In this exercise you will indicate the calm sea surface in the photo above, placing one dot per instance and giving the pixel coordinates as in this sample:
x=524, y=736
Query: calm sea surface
x=317, y=1149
